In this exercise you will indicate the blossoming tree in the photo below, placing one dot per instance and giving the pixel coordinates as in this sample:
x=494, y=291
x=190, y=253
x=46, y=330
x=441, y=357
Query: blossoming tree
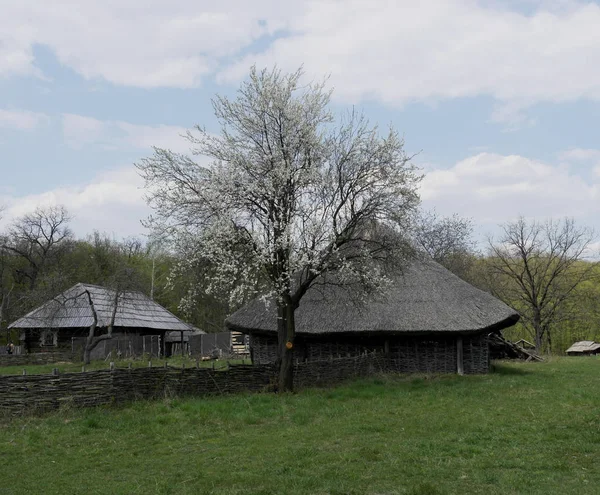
x=288, y=197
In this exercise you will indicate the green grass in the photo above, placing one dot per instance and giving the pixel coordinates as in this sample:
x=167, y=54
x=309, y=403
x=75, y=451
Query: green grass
x=69, y=367
x=527, y=428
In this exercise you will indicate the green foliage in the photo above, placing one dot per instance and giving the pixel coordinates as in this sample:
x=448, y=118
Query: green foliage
x=527, y=428
x=578, y=320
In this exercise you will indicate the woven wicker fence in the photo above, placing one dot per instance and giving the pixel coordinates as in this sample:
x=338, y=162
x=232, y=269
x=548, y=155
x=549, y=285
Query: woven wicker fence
x=33, y=393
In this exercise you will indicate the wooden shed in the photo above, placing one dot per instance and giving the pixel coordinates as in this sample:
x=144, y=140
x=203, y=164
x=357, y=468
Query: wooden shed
x=430, y=320
x=584, y=348
x=63, y=322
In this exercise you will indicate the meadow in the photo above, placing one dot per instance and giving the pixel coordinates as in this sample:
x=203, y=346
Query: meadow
x=525, y=428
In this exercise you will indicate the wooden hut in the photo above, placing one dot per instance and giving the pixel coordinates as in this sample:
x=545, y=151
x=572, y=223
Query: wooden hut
x=63, y=323
x=584, y=348
x=428, y=321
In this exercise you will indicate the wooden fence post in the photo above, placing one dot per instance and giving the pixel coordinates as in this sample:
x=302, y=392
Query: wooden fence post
x=459, y=356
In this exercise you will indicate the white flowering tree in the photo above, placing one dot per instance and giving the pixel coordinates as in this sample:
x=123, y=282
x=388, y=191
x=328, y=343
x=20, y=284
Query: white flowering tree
x=287, y=196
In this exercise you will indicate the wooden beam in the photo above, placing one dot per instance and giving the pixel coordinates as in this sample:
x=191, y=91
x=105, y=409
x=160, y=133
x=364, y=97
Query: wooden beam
x=459, y=356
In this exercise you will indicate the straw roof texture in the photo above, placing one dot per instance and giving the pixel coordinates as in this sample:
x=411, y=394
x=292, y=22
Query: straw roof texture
x=583, y=346
x=424, y=297
x=71, y=309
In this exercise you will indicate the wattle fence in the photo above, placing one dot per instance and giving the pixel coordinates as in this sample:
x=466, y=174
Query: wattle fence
x=37, y=393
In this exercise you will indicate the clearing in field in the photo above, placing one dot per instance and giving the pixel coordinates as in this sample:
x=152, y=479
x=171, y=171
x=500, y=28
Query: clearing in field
x=526, y=428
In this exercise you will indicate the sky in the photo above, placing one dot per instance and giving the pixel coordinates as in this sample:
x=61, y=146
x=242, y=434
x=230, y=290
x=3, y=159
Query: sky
x=499, y=99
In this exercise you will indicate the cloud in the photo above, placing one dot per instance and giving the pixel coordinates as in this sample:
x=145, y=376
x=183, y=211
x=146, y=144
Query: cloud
x=519, y=53
x=580, y=154
x=111, y=203
x=492, y=189
x=80, y=131
x=512, y=115
x=402, y=52
x=22, y=120
x=487, y=187
x=129, y=42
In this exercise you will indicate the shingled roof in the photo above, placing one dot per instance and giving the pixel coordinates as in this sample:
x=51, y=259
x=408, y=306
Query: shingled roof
x=71, y=309
x=424, y=297
x=584, y=347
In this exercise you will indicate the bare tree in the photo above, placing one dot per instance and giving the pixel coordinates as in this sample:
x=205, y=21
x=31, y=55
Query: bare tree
x=36, y=238
x=448, y=240
x=122, y=278
x=288, y=197
x=536, y=268
x=92, y=339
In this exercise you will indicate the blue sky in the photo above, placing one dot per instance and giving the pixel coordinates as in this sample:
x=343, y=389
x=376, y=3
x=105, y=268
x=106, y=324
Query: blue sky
x=501, y=99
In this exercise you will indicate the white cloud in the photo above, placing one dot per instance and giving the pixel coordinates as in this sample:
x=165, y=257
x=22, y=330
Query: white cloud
x=492, y=189
x=580, y=154
x=146, y=44
x=489, y=188
x=112, y=203
x=80, y=131
x=401, y=52
x=519, y=53
x=23, y=120
x=512, y=115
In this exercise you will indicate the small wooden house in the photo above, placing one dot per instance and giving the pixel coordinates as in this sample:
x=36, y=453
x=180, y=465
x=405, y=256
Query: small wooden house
x=584, y=348
x=140, y=324
x=428, y=321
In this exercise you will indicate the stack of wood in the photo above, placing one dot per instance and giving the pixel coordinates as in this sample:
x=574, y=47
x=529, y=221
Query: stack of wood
x=500, y=348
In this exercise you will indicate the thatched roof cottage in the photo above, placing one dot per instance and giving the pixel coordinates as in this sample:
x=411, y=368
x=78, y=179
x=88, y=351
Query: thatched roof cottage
x=63, y=322
x=430, y=320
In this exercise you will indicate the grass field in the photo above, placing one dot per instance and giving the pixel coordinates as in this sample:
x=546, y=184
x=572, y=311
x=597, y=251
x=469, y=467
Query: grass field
x=527, y=428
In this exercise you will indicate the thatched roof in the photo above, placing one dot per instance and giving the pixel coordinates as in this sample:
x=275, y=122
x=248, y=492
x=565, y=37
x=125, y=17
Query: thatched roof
x=584, y=347
x=71, y=309
x=424, y=297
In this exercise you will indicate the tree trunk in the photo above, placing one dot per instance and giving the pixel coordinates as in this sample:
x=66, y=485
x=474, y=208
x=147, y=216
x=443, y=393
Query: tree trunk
x=538, y=341
x=90, y=343
x=287, y=333
x=539, y=332
x=549, y=341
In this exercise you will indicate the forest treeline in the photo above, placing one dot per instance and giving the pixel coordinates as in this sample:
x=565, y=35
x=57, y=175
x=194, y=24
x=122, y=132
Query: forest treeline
x=546, y=271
